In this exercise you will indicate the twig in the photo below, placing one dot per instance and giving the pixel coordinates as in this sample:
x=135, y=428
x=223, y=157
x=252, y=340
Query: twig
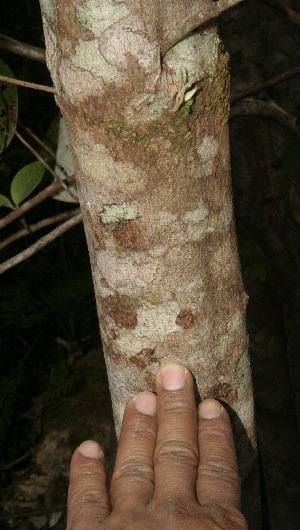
x=291, y=14
x=26, y=84
x=52, y=189
x=22, y=49
x=41, y=243
x=255, y=89
x=38, y=140
x=38, y=226
x=49, y=168
x=268, y=109
x=6, y=467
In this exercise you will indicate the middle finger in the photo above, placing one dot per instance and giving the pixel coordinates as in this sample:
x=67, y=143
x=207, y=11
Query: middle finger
x=176, y=455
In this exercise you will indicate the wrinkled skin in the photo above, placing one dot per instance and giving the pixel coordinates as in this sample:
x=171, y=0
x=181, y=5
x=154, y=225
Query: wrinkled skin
x=175, y=468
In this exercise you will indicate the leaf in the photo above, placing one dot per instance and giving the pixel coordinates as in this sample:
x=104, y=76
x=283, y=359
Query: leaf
x=4, y=201
x=190, y=94
x=8, y=108
x=187, y=109
x=25, y=181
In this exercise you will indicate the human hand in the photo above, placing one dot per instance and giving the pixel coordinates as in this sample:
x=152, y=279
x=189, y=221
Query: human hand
x=159, y=480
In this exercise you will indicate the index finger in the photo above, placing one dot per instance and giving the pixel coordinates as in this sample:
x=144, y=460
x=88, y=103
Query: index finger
x=218, y=479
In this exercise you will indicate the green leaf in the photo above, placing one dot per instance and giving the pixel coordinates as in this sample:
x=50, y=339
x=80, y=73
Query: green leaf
x=4, y=201
x=187, y=109
x=25, y=181
x=8, y=108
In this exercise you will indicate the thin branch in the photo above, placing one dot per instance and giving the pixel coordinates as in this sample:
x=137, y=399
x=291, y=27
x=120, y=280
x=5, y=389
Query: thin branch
x=290, y=13
x=267, y=109
x=207, y=11
x=41, y=243
x=255, y=89
x=38, y=226
x=22, y=49
x=49, y=168
x=26, y=84
x=36, y=154
x=38, y=140
x=6, y=467
x=52, y=189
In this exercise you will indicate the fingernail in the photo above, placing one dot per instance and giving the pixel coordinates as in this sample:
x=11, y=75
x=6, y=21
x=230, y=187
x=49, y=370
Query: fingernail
x=145, y=402
x=90, y=449
x=172, y=376
x=210, y=409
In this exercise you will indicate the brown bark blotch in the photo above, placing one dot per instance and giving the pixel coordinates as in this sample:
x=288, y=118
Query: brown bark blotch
x=121, y=309
x=223, y=391
x=143, y=358
x=185, y=319
x=127, y=234
x=124, y=319
x=100, y=239
x=150, y=378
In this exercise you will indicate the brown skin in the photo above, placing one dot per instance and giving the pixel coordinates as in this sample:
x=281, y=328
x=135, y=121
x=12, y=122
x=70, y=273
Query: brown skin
x=160, y=481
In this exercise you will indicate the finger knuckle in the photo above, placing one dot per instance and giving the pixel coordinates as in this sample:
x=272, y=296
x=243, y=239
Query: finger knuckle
x=177, y=451
x=220, y=469
x=134, y=469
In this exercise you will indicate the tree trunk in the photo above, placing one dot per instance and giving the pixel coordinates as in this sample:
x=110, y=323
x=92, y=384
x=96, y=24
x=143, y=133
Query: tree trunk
x=147, y=123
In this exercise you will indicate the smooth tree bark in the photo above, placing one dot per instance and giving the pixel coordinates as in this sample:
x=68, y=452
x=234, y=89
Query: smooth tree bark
x=145, y=99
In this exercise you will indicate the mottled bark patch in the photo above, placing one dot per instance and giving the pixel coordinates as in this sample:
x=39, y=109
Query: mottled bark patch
x=100, y=239
x=222, y=391
x=185, y=319
x=121, y=310
x=127, y=234
x=124, y=319
x=143, y=358
x=116, y=213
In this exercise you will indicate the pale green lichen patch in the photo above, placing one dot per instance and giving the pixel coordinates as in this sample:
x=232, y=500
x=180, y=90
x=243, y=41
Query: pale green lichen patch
x=53, y=56
x=196, y=216
x=196, y=219
x=236, y=322
x=145, y=108
x=88, y=57
x=96, y=162
x=98, y=15
x=127, y=274
x=207, y=152
x=116, y=213
x=197, y=54
x=243, y=375
x=49, y=10
x=155, y=322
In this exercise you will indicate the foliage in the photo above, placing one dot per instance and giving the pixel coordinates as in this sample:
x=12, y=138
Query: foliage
x=23, y=184
x=25, y=181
